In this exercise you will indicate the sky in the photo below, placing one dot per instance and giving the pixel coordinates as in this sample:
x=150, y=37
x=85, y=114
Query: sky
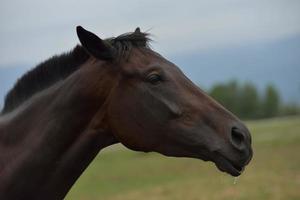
x=32, y=31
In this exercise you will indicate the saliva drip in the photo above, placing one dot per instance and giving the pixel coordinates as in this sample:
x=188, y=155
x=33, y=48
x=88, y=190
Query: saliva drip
x=235, y=179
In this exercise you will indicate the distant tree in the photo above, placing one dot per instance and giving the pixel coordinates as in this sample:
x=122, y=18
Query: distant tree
x=249, y=102
x=289, y=109
x=233, y=91
x=245, y=101
x=226, y=94
x=271, y=102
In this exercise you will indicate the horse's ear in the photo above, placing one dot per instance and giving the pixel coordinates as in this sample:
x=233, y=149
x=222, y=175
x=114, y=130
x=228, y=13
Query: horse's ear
x=94, y=45
x=137, y=30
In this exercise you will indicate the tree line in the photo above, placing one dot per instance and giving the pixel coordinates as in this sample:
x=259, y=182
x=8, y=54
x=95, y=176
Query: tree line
x=247, y=102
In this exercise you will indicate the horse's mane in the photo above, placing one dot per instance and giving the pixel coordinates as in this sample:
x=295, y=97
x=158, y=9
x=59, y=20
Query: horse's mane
x=61, y=66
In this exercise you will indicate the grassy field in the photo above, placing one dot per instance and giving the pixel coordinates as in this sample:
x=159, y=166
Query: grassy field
x=274, y=173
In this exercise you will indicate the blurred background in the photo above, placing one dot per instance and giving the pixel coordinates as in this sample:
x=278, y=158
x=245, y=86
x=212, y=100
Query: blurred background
x=246, y=54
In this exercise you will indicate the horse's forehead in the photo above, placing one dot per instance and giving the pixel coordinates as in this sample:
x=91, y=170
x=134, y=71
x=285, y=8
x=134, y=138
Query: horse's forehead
x=144, y=58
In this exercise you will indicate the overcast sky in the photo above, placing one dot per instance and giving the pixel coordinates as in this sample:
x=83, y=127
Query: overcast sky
x=34, y=30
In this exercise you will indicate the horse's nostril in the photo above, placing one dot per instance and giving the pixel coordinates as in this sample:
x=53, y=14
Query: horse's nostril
x=237, y=137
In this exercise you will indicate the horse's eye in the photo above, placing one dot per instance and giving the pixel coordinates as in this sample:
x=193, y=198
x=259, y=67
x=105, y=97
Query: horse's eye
x=154, y=79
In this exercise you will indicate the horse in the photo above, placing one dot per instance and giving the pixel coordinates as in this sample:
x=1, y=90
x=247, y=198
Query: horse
x=59, y=115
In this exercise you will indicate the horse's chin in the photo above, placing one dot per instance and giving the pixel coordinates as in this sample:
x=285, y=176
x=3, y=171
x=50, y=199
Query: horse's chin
x=222, y=163
x=225, y=165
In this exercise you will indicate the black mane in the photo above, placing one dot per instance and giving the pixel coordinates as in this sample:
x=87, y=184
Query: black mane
x=61, y=66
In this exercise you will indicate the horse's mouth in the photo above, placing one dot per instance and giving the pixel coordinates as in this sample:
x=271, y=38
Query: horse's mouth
x=227, y=166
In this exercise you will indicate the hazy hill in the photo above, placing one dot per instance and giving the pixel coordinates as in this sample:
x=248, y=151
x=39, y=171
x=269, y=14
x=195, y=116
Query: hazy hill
x=277, y=63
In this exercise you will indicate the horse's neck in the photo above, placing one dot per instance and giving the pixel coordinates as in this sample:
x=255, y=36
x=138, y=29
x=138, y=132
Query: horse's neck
x=53, y=138
x=66, y=106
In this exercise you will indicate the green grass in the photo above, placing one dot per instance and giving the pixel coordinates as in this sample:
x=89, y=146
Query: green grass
x=274, y=173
